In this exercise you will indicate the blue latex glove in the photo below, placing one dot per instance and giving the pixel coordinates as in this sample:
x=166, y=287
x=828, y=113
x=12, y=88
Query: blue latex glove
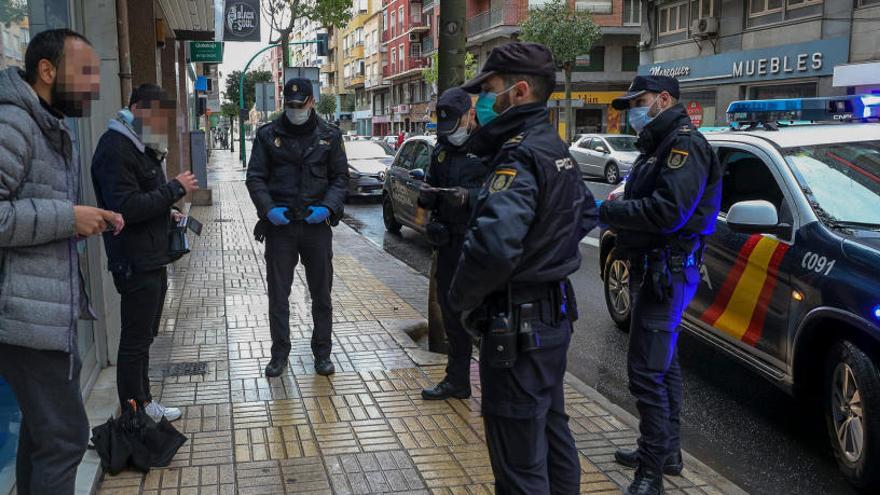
x=277, y=216
x=318, y=214
x=599, y=205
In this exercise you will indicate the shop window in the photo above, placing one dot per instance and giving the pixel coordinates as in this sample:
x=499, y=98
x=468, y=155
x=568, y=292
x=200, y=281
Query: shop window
x=594, y=6
x=630, y=59
x=803, y=90
x=673, y=18
x=632, y=12
x=763, y=7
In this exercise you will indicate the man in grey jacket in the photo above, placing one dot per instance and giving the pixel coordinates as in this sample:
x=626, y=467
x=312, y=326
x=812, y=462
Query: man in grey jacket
x=41, y=288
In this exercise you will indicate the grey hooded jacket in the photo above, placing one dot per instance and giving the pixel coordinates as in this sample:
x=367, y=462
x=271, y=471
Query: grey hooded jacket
x=41, y=292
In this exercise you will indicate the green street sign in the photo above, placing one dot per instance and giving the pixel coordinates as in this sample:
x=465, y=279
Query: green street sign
x=206, y=51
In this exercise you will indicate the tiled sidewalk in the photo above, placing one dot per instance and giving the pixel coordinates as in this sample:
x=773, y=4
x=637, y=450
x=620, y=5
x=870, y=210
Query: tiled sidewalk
x=364, y=429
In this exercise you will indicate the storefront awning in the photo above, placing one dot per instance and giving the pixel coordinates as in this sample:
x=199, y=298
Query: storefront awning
x=190, y=19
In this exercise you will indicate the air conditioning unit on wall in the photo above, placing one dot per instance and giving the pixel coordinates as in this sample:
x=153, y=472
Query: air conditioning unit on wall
x=705, y=27
x=413, y=37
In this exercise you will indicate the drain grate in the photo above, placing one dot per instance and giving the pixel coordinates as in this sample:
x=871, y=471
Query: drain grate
x=188, y=369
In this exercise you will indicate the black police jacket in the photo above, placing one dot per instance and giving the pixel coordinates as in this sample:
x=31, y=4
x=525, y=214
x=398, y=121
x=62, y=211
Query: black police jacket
x=531, y=213
x=673, y=193
x=298, y=167
x=129, y=180
x=453, y=166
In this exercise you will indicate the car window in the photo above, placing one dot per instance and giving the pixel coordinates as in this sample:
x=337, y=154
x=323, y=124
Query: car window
x=841, y=180
x=623, y=143
x=584, y=143
x=595, y=144
x=422, y=157
x=404, y=158
x=746, y=178
x=359, y=150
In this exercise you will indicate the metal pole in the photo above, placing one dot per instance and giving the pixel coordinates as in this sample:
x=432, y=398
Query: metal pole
x=241, y=94
x=124, y=50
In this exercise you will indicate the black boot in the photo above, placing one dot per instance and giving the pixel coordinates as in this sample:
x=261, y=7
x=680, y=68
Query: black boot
x=324, y=367
x=275, y=367
x=445, y=390
x=646, y=482
x=630, y=458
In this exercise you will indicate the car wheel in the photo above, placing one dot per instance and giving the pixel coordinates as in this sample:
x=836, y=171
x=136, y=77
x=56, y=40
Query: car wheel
x=852, y=413
x=391, y=224
x=612, y=173
x=617, y=296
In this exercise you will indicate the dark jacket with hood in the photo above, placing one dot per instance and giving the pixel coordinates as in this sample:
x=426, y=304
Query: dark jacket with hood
x=129, y=179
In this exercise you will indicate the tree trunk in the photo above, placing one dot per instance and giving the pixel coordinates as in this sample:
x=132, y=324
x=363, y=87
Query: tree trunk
x=569, y=118
x=285, y=48
x=452, y=45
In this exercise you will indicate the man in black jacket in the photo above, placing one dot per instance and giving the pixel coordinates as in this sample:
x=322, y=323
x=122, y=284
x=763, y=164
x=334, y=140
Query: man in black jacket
x=129, y=178
x=298, y=179
x=455, y=178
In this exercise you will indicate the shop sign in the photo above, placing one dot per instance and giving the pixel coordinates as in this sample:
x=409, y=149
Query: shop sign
x=695, y=112
x=241, y=20
x=590, y=97
x=206, y=51
x=814, y=58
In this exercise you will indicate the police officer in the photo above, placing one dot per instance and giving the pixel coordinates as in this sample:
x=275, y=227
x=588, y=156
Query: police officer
x=669, y=206
x=455, y=178
x=298, y=179
x=511, y=283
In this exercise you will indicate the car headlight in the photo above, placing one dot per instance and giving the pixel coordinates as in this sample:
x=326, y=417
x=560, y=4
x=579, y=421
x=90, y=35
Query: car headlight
x=353, y=174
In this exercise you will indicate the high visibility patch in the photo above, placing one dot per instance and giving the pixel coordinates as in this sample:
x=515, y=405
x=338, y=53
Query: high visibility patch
x=277, y=142
x=502, y=180
x=441, y=156
x=676, y=158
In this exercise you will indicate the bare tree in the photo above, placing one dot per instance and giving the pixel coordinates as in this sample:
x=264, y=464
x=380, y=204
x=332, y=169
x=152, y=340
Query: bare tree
x=282, y=14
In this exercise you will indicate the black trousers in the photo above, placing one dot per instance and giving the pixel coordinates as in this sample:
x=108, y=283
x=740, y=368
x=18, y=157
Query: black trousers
x=54, y=427
x=143, y=296
x=285, y=246
x=460, y=345
x=652, y=363
x=530, y=444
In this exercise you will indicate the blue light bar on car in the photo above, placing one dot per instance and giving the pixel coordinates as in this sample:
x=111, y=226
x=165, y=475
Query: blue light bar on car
x=825, y=109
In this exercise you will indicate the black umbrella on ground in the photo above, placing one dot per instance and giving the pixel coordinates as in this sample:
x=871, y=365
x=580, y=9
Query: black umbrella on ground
x=135, y=440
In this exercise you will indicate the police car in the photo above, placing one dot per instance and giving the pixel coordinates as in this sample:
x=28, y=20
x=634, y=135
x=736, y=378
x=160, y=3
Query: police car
x=791, y=281
x=400, y=192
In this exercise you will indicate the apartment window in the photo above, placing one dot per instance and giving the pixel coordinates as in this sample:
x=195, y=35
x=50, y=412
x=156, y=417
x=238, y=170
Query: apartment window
x=393, y=22
x=393, y=59
x=703, y=8
x=400, y=17
x=630, y=59
x=400, y=56
x=358, y=37
x=415, y=50
x=763, y=7
x=597, y=60
x=794, y=4
x=594, y=6
x=384, y=21
x=360, y=66
x=362, y=5
x=673, y=18
x=632, y=12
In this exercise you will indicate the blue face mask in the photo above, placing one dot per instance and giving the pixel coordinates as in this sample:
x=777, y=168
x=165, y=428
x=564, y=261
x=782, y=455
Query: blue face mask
x=638, y=118
x=486, y=107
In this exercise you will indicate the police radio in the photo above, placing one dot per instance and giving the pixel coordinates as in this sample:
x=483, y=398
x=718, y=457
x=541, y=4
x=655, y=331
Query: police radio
x=500, y=341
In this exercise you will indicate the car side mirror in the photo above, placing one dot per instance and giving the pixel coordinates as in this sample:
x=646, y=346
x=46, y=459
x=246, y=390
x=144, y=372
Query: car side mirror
x=417, y=174
x=756, y=217
x=602, y=149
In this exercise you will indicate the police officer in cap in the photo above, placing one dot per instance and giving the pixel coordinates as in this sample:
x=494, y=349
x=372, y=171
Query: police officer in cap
x=454, y=179
x=511, y=283
x=298, y=179
x=669, y=206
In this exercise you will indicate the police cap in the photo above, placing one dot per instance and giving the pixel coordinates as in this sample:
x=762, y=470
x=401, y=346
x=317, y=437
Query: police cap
x=515, y=58
x=452, y=104
x=297, y=90
x=642, y=84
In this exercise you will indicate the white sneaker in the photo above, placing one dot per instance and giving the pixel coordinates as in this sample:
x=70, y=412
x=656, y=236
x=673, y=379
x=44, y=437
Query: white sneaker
x=158, y=411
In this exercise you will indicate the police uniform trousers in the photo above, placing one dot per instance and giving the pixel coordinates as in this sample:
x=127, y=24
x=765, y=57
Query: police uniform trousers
x=285, y=246
x=459, y=343
x=652, y=361
x=530, y=445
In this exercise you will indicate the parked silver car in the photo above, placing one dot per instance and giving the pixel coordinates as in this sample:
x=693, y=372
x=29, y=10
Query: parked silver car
x=367, y=164
x=605, y=155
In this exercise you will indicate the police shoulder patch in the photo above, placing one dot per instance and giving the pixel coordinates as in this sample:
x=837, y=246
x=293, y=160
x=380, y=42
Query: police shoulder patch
x=502, y=179
x=441, y=156
x=677, y=158
x=277, y=142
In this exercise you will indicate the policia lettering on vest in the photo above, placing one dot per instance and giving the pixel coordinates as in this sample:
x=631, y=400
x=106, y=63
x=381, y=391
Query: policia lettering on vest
x=669, y=206
x=511, y=284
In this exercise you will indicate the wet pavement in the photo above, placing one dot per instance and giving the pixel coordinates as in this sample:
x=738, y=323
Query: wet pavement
x=733, y=420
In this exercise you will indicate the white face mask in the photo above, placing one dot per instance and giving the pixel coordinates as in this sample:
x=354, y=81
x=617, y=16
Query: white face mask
x=458, y=137
x=298, y=116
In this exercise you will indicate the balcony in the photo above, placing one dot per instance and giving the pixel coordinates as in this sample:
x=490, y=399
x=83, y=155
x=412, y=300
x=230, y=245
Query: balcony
x=410, y=67
x=354, y=82
x=357, y=52
x=428, y=45
x=374, y=82
x=507, y=16
x=329, y=68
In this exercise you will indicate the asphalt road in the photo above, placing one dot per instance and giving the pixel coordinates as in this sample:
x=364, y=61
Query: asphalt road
x=743, y=427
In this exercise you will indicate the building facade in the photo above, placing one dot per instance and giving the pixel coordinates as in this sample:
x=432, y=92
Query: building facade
x=374, y=83
x=721, y=51
x=404, y=27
